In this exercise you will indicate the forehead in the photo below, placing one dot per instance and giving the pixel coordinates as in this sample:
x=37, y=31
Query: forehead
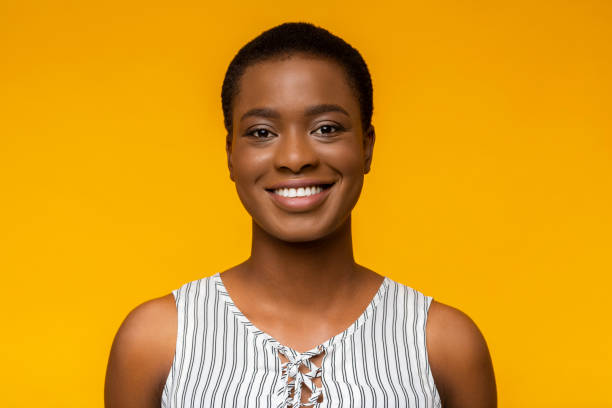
x=295, y=82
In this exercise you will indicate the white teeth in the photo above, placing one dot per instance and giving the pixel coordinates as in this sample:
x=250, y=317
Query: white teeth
x=299, y=192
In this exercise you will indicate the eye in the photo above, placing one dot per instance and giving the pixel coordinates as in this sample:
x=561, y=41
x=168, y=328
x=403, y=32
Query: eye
x=328, y=129
x=260, y=133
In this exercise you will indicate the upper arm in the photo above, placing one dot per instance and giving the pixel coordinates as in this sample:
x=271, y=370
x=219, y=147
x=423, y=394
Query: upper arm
x=459, y=359
x=141, y=355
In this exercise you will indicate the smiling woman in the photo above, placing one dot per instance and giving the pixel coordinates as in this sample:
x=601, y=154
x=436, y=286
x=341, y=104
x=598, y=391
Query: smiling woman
x=304, y=132
x=299, y=323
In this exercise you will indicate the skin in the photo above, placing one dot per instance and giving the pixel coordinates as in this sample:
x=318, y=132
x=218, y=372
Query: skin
x=275, y=139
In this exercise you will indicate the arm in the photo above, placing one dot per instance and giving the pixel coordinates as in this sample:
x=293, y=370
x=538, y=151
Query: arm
x=459, y=359
x=141, y=355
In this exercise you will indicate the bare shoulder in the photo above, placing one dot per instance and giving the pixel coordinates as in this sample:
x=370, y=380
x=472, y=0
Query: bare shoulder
x=141, y=355
x=459, y=359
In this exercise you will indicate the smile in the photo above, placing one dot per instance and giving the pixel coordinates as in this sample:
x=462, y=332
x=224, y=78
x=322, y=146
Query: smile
x=298, y=192
x=300, y=199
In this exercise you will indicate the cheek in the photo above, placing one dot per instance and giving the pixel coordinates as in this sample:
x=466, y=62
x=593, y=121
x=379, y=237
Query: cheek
x=346, y=158
x=248, y=165
x=348, y=163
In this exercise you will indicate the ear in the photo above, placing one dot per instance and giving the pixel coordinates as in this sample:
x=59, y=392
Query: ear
x=369, y=137
x=228, y=151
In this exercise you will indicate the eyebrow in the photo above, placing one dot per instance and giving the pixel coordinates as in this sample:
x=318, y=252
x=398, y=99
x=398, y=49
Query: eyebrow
x=261, y=112
x=311, y=111
x=324, y=108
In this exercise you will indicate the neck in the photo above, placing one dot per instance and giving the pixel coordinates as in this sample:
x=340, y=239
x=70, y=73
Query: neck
x=320, y=269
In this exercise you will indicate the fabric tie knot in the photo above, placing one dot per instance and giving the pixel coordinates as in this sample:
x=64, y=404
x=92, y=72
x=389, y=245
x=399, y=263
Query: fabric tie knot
x=291, y=369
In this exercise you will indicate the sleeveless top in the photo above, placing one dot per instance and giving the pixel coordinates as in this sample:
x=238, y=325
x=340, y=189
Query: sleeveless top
x=223, y=360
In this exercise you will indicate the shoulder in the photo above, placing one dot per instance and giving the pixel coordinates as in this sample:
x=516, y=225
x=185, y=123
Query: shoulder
x=152, y=323
x=142, y=354
x=450, y=330
x=459, y=358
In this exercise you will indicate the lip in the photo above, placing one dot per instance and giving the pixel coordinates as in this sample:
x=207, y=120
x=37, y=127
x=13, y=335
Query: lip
x=299, y=204
x=302, y=182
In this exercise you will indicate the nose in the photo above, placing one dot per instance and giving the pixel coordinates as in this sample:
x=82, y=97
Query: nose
x=295, y=152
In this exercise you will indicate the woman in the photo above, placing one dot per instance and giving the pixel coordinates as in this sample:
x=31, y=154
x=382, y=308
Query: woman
x=298, y=323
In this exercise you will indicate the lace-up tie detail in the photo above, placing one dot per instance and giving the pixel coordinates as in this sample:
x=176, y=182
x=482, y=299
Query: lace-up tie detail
x=293, y=378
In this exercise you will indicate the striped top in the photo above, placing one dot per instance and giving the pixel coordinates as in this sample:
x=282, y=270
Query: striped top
x=223, y=360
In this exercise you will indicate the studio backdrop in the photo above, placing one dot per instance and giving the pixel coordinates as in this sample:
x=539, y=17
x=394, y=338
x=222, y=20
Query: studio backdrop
x=490, y=189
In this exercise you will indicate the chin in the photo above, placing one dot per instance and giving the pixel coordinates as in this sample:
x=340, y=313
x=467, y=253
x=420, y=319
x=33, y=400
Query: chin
x=297, y=235
x=303, y=231
x=296, y=238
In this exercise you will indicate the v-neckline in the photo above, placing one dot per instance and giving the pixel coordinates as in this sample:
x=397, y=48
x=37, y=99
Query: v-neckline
x=363, y=317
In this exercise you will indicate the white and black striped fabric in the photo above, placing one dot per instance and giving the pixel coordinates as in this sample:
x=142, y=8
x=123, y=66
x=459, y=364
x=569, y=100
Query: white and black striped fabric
x=222, y=360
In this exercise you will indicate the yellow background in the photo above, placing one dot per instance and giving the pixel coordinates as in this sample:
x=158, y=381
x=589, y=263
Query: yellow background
x=491, y=187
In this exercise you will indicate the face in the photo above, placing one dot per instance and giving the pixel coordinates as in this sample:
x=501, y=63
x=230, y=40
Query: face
x=298, y=153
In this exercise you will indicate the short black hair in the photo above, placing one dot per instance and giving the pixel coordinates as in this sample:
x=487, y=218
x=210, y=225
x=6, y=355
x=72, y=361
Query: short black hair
x=291, y=38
